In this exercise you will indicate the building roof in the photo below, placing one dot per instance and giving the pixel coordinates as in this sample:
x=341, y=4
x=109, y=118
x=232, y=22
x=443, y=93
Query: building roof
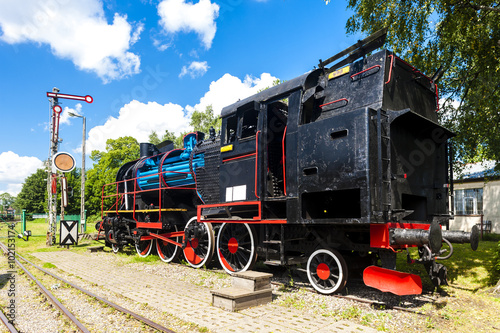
x=478, y=171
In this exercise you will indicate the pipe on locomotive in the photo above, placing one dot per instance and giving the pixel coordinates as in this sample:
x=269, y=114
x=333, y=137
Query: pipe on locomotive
x=420, y=237
x=433, y=237
x=462, y=237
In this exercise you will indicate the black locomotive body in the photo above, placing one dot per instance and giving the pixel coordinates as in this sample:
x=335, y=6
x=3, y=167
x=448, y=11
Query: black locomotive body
x=341, y=164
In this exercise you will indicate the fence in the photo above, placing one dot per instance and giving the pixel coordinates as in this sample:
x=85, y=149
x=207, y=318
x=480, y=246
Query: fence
x=76, y=217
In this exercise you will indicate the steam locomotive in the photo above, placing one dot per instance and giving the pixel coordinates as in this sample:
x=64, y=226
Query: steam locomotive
x=338, y=169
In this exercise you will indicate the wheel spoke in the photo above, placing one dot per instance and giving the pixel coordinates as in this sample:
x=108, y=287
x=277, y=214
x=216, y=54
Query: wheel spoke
x=143, y=248
x=327, y=271
x=242, y=259
x=202, y=254
x=168, y=251
x=244, y=249
x=236, y=247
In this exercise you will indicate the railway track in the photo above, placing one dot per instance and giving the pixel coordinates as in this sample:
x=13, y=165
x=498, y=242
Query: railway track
x=63, y=309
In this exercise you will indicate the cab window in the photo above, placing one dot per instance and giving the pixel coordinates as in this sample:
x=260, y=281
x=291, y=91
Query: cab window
x=231, y=127
x=249, y=123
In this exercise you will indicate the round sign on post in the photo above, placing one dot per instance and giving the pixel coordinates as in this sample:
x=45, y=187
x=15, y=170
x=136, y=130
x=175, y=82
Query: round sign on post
x=57, y=109
x=64, y=162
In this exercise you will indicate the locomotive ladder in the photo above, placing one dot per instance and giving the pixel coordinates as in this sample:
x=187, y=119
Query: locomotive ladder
x=277, y=246
x=384, y=164
x=280, y=243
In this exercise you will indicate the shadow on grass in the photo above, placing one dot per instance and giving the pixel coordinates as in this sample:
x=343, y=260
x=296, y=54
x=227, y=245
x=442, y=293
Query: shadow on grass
x=471, y=270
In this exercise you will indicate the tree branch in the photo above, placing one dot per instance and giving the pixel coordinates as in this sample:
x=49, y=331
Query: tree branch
x=481, y=7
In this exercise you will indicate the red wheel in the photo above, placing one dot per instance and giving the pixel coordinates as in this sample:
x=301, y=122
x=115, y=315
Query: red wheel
x=168, y=252
x=199, y=243
x=143, y=248
x=236, y=247
x=327, y=271
x=116, y=248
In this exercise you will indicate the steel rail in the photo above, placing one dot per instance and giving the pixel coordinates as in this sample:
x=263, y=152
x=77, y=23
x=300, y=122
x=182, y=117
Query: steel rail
x=116, y=306
x=49, y=295
x=7, y=323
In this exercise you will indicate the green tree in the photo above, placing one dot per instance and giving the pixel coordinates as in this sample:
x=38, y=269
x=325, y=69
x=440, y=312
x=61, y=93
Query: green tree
x=153, y=138
x=6, y=201
x=177, y=140
x=33, y=195
x=464, y=38
x=106, y=165
x=202, y=121
x=74, y=197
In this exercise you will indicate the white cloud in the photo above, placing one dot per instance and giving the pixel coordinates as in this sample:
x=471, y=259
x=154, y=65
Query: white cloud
x=14, y=169
x=229, y=89
x=75, y=30
x=65, y=117
x=195, y=69
x=177, y=15
x=161, y=45
x=138, y=120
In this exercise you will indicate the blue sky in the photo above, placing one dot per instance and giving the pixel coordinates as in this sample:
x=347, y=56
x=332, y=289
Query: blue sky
x=147, y=64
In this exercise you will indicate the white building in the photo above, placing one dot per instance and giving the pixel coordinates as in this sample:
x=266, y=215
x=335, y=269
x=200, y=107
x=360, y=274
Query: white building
x=476, y=197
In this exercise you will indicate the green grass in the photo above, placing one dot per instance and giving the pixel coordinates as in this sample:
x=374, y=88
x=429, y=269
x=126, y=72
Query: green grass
x=37, y=242
x=49, y=265
x=467, y=269
x=149, y=259
x=491, y=237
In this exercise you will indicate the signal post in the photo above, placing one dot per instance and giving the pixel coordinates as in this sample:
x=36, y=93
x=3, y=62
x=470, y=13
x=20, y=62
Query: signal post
x=62, y=162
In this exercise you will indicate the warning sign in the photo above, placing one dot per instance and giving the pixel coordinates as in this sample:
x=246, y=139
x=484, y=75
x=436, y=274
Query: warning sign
x=68, y=233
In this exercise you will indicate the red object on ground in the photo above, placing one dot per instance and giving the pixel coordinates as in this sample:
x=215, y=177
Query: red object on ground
x=395, y=282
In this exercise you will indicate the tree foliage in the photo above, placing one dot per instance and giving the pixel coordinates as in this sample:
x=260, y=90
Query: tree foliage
x=200, y=121
x=74, y=196
x=106, y=165
x=464, y=38
x=6, y=201
x=170, y=136
x=33, y=195
x=154, y=139
x=495, y=272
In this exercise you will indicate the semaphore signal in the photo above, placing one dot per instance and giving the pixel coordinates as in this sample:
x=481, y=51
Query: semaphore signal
x=86, y=98
x=52, y=169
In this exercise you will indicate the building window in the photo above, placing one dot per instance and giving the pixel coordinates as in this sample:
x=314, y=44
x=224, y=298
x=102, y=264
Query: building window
x=469, y=202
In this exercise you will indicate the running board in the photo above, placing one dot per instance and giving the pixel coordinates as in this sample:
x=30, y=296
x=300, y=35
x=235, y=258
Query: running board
x=395, y=282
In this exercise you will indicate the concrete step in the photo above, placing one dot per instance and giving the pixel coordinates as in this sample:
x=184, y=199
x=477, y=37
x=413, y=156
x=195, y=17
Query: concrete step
x=252, y=281
x=235, y=299
x=249, y=289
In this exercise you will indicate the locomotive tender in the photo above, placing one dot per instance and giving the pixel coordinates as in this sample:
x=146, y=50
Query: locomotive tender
x=337, y=169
